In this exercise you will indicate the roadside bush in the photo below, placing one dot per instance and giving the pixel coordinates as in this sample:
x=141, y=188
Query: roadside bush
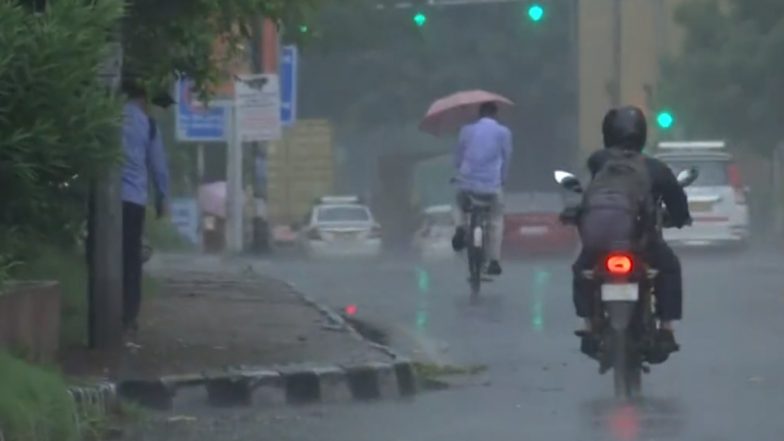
x=58, y=126
x=163, y=236
x=34, y=404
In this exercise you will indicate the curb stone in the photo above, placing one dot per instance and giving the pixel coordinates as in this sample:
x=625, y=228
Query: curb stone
x=283, y=385
x=294, y=384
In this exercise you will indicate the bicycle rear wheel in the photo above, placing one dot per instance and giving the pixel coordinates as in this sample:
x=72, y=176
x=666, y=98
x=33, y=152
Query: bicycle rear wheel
x=475, y=257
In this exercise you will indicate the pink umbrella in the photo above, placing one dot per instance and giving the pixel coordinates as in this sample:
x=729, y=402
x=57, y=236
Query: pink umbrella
x=450, y=113
x=212, y=198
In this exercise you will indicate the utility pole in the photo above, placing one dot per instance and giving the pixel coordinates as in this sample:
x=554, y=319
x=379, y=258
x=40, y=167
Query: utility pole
x=617, y=45
x=104, y=253
x=234, y=188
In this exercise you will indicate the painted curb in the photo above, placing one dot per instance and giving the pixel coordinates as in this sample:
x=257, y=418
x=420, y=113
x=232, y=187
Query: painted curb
x=277, y=386
x=271, y=386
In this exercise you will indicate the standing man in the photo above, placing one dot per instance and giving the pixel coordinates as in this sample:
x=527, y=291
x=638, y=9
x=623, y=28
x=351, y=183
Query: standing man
x=482, y=161
x=144, y=157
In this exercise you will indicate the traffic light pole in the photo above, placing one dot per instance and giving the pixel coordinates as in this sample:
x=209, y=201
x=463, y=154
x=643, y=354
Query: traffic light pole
x=617, y=53
x=409, y=5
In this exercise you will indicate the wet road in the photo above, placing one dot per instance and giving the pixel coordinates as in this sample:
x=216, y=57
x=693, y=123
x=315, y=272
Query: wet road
x=726, y=384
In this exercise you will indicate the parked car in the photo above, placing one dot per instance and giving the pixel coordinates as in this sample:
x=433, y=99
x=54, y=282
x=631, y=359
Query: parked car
x=531, y=225
x=433, y=239
x=717, y=199
x=341, y=226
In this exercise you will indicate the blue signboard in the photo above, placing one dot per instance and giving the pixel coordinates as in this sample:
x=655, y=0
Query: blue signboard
x=196, y=123
x=185, y=217
x=288, y=85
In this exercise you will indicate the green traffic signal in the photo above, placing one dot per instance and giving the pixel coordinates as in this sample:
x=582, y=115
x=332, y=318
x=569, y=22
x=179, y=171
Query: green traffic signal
x=420, y=19
x=536, y=12
x=665, y=120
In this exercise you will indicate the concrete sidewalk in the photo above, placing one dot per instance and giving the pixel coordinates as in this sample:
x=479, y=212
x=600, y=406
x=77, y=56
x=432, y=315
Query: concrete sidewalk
x=219, y=331
x=212, y=314
x=213, y=320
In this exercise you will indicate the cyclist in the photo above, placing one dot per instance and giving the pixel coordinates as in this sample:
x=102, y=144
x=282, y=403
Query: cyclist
x=482, y=162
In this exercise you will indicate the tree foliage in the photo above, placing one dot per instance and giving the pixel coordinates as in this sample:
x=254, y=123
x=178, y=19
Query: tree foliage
x=728, y=80
x=57, y=123
x=170, y=38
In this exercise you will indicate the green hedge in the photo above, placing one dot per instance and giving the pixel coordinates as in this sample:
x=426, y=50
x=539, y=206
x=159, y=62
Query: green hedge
x=58, y=126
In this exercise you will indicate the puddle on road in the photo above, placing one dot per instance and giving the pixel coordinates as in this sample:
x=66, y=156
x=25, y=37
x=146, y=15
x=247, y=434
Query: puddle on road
x=649, y=419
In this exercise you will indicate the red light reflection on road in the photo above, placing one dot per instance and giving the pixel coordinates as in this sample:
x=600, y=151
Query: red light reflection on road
x=625, y=423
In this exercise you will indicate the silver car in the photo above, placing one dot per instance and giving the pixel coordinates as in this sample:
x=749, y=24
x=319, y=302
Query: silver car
x=342, y=229
x=717, y=199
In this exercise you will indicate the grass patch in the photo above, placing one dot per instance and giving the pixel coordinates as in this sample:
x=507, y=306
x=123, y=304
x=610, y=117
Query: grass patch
x=34, y=404
x=429, y=370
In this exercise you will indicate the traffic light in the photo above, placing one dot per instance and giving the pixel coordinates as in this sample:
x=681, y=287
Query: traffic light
x=420, y=19
x=665, y=119
x=535, y=12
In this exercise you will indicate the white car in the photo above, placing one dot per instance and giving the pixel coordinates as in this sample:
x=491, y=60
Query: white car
x=433, y=240
x=717, y=199
x=341, y=227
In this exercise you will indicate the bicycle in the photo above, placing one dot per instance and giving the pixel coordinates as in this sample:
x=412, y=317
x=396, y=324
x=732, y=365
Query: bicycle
x=478, y=207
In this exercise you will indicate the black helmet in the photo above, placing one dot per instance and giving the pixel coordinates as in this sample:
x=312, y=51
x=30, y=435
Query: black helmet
x=625, y=127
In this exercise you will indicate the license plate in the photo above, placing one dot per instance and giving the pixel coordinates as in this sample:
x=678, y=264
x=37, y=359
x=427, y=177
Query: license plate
x=627, y=292
x=346, y=236
x=700, y=207
x=533, y=231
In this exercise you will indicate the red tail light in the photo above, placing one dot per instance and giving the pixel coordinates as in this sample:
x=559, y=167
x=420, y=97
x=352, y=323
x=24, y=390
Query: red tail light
x=733, y=174
x=619, y=264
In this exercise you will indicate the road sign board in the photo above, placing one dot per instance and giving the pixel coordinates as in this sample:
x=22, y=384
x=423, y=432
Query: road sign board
x=289, y=74
x=195, y=122
x=257, y=104
x=185, y=218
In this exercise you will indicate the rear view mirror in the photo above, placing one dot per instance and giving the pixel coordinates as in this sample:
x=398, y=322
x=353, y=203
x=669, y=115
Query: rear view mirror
x=688, y=176
x=568, y=181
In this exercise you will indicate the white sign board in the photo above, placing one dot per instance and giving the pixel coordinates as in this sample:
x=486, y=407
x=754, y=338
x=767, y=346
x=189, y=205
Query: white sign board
x=257, y=104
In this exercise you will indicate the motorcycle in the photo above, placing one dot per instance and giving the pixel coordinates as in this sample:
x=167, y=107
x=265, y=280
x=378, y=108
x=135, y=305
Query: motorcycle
x=625, y=319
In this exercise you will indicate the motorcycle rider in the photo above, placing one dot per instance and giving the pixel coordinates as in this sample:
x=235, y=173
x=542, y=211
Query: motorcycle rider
x=626, y=128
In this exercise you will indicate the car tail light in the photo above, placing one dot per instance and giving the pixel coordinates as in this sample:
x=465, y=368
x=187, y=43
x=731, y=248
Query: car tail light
x=375, y=233
x=314, y=234
x=733, y=174
x=619, y=264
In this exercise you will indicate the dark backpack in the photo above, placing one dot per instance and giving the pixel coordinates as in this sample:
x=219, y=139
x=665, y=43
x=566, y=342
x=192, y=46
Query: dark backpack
x=617, y=205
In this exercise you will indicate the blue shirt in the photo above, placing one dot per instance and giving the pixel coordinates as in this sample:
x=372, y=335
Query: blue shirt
x=142, y=156
x=482, y=156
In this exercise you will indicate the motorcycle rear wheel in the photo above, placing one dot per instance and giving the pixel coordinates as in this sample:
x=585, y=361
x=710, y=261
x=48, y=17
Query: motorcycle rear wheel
x=627, y=370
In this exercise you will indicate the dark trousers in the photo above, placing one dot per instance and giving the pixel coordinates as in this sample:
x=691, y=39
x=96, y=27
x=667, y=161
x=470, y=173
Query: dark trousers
x=667, y=285
x=133, y=229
